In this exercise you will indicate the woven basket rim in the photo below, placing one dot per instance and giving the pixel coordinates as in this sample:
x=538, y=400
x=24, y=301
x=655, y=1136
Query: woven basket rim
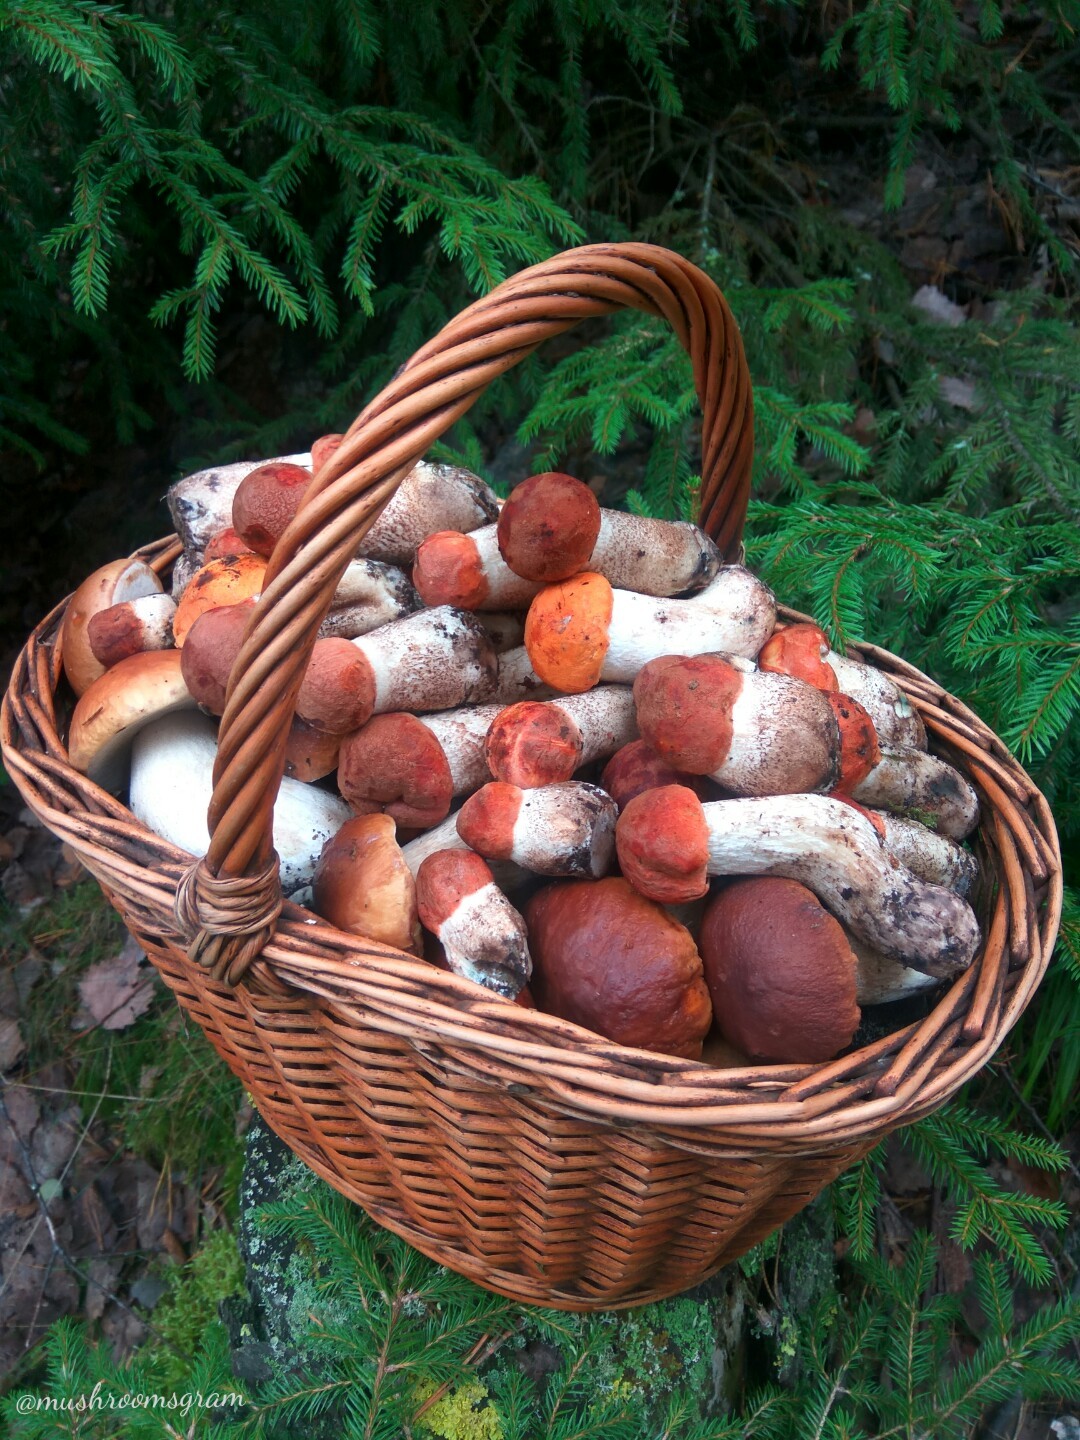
x=876, y=1087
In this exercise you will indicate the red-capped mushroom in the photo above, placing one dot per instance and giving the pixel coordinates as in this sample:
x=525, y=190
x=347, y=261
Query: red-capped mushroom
x=582, y=631
x=564, y=829
x=669, y=843
x=266, y=501
x=482, y=935
x=551, y=528
x=210, y=651
x=540, y=742
x=755, y=734
x=467, y=570
x=638, y=767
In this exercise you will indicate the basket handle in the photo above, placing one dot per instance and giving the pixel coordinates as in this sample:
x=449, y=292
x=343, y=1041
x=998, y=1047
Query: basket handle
x=229, y=902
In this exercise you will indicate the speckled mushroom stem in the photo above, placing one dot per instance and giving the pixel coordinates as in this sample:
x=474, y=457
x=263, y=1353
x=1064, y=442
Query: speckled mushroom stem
x=564, y=829
x=482, y=935
x=669, y=844
x=131, y=627
x=914, y=783
x=517, y=680
x=433, y=660
x=414, y=766
x=928, y=855
x=542, y=742
x=370, y=594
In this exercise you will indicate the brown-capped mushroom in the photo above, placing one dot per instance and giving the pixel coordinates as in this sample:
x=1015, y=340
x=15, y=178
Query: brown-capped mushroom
x=363, y=886
x=112, y=584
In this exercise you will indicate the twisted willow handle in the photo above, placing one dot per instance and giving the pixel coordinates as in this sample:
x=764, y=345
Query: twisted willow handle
x=230, y=900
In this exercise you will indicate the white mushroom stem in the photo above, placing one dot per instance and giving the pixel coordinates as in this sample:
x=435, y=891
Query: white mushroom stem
x=896, y=720
x=201, y=504
x=131, y=627
x=563, y=829
x=913, y=782
x=505, y=628
x=431, y=497
x=444, y=836
x=606, y=718
x=654, y=557
x=734, y=614
x=369, y=594
x=482, y=935
x=433, y=660
x=517, y=680
x=928, y=855
x=458, y=569
x=460, y=734
x=185, y=566
x=838, y=854
x=172, y=768
x=880, y=980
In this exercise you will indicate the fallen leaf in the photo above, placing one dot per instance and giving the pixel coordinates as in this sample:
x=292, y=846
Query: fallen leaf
x=12, y=1043
x=961, y=393
x=937, y=305
x=115, y=992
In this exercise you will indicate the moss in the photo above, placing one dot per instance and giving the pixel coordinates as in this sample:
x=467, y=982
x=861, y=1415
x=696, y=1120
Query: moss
x=463, y=1413
x=183, y=1317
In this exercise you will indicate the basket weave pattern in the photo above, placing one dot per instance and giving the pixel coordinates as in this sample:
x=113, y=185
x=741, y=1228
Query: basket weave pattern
x=541, y=1161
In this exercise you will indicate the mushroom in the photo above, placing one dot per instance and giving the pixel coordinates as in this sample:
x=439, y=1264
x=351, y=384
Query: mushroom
x=551, y=528
x=337, y=691
x=201, y=504
x=565, y=829
x=505, y=628
x=210, y=651
x=921, y=785
x=130, y=627
x=582, y=631
x=517, y=680
x=929, y=855
x=859, y=748
x=112, y=584
x=413, y=766
x=224, y=542
x=638, y=767
x=266, y=502
x=117, y=705
x=172, y=767
x=467, y=570
x=606, y=958
x=482, y=935
x=220, y=582
x=433, y=660
x=322, y=449
x=803, y=650
x=363, y=886
x=669, y=843
x=540, y=742
x=780, y=971
x=754, y=733
x=310, y=755
x=369, y=594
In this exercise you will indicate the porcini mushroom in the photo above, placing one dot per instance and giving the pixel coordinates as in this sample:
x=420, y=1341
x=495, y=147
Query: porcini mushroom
x=803, y=650
x=201, y=504
x=116, y=706
x=910, y=781
x=669, y=843
x=363, y=886
x=540, y=742
x=112, y=584
x=413, y=766
x=172, y=766
x=564, y=829
x=582, y=631
x=780, y=971
x=606, y=958
x=132, y=626
x=482, y=935
x=369, y=594
x=433, y=660
x=551, y=528
x=754, y=733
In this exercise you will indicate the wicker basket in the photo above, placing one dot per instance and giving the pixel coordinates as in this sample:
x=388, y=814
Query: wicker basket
x=523, y=1152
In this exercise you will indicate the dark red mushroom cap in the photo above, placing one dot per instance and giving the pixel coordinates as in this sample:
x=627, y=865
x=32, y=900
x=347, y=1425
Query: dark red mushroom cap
x=265, y=502
x=394, y=761
x=548, y=527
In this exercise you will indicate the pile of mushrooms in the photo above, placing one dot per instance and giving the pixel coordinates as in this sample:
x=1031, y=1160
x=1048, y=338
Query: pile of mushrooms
x=565, y=752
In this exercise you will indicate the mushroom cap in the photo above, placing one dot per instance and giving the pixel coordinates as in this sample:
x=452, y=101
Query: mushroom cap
x=130, y=626
x=444, y=879
x=220, y=582
x=210, y=651
x=859, y=748
x=448, y=571
x=265, y=502
x=637, y=767
x=533, y=743
x=548, y=526
x=486, y=821
x=225, y=542
x=310, y=755
x=780, y=970
x=363, y=886
x=684, y=709
x=395, y=762
x=662, y=840
x=800, y=650
x=110, y=585
x=606, y=958
x=566, y=632
x=116, y=707
x=322, y=449
x=337, y=693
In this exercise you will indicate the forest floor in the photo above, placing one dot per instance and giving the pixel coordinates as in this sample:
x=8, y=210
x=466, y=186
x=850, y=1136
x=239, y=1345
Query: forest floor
x=120, y=1131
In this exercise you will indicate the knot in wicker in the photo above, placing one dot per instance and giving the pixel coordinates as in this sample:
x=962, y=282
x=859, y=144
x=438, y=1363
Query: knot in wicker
x=535, y=1157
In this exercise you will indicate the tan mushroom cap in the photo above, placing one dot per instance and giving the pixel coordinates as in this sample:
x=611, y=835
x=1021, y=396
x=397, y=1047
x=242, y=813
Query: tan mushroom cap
x=780, y=970
x=110, y=585
x=364, y=887
x=116, y=707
